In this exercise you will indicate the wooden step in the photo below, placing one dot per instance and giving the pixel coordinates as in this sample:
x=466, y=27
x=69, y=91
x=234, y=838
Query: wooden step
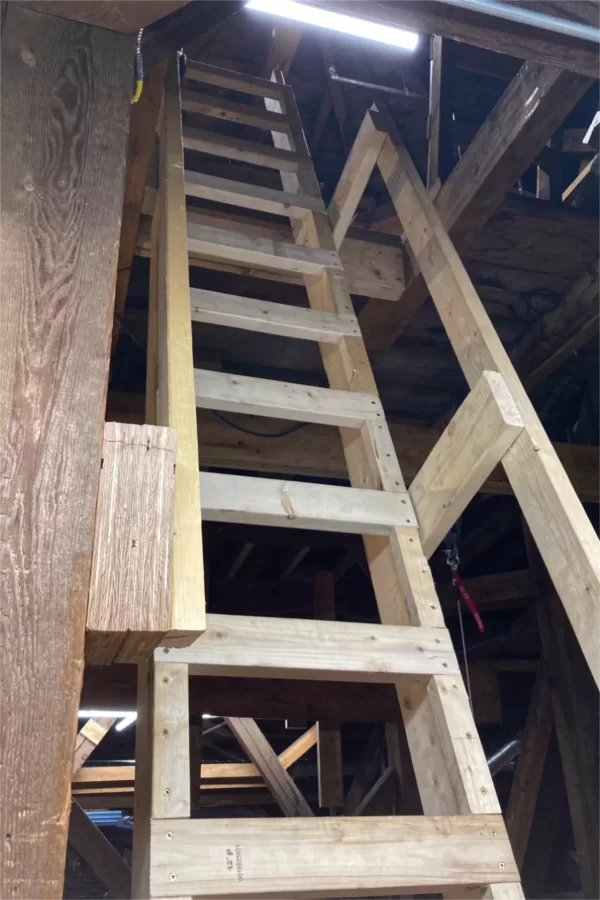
x=329, y=857
x=295, y=504
x=215, y=308
x=251, y=646
x=284, y=400
x=241, y=150
x=230, y=111
x=233, y=81
x=234, y=247
x=250, y=196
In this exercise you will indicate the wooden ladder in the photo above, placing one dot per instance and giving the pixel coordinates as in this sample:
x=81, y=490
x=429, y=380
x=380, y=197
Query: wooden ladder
x=460, y=845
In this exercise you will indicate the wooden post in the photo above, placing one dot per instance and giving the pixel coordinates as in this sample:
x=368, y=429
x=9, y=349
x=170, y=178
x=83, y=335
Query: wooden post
x=66, y=90
x=329, y=746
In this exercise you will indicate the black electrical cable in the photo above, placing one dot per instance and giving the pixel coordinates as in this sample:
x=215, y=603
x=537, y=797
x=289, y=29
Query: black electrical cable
x=276, y=434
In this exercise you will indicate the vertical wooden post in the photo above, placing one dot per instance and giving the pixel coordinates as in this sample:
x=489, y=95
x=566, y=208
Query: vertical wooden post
x=66, y=90
x=176, y=396
x=329, y=746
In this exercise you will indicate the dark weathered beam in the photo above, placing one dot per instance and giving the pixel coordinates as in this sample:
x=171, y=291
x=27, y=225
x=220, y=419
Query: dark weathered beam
x=481, y=30
x=118, y=15
x=533, y=106
x=66, y=91
x=98, y=852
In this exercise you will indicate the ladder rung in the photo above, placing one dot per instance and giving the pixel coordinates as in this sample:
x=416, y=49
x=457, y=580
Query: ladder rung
x=243, y=113
x=214, y=308
x=249, y=196
x=246, y=500
x=284, y=400
x=233, y=81
x=243, y=151
x=233, y=247
x=250, y=646
x=348, y=856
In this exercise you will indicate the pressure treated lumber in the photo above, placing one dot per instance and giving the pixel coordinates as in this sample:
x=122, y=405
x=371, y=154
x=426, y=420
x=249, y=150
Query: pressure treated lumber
x=248, y=196
x=234, y=81
x=130, y=589
x=88, y=738
x=354, y=178
x=313, y=649
x=295, y=504
x=105, y=860
x=66, y=91
x=230, y=111
x=475, y=441
x=230, y=310
x=324, y=857
x=176, y=400
x=532, y=107
x=247, y=250
x=241, y=150
x=558, y=522
x=275, y=775
x=284, y=400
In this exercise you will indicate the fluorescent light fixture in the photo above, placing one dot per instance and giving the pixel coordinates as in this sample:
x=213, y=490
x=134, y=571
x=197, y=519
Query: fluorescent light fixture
x=325, y=18
x=124, y=723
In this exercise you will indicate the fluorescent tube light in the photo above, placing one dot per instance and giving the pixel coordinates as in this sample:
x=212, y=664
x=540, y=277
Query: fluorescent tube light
x=325, y=18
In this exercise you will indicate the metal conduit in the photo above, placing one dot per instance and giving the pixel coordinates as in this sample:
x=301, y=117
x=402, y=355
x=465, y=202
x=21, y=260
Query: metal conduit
x=580, y=30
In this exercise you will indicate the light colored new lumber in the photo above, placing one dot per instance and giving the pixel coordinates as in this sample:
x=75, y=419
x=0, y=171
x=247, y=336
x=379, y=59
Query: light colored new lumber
x=295, y=504
x=230, y=310
x=475, y=441
x=249, y=196
x=233, y=81
x=176, y=399
x=248, y=250
x=170, y=749
x=327, y=857
x=88, y=738
x=274, y=773
x=559, y=524
x=130, y=589
x=230, y=111
x=314, y=650
x=241, y=150
x=355, y=177
x=284, y=400
x=105, y=860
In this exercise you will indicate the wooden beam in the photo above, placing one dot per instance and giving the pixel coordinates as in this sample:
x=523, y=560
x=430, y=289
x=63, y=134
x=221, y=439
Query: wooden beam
x=485, y=426
x=130, y=589
x=329, y=745
x=176, y=400
x=320, y=650
x=434, y=119
x=105, y=860
x=355, y=177
x=142, y=130
x=296, y=504
x=481, y=30
x=126, y=17
x=560, y=525
x=66, y=91
x=373, y=798
x=532, y=107
x=283, y=48
x=527, y=779
x=351, y=856
x=560, y=332
x=275, y=775
x=249, y=196
x=585, y=183
x=88, y=739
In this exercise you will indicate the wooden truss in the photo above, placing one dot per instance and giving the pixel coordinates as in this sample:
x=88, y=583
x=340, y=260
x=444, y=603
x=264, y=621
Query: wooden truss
x=460, y=845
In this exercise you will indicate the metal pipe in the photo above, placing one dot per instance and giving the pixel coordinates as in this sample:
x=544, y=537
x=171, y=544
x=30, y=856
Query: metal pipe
x=375, y=87
x=580, y=30
x=505, y=755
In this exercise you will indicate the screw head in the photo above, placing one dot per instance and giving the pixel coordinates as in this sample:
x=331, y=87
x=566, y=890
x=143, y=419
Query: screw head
x=169, y=835
x=501, y=865
x=167, y=792
x=172, y=876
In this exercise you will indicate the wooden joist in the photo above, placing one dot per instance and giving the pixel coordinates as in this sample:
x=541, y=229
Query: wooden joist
x=232, y=81
x=313, y=649
x=88, y=738
x=220, y=244
x=475, y=441
x=284, y=400
x=249, y=196
x=324, y=857
x=274, y=773
x=98, y=852
x=215, y=308
x=295, y=504
x=130, y=589
x=560, y=526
